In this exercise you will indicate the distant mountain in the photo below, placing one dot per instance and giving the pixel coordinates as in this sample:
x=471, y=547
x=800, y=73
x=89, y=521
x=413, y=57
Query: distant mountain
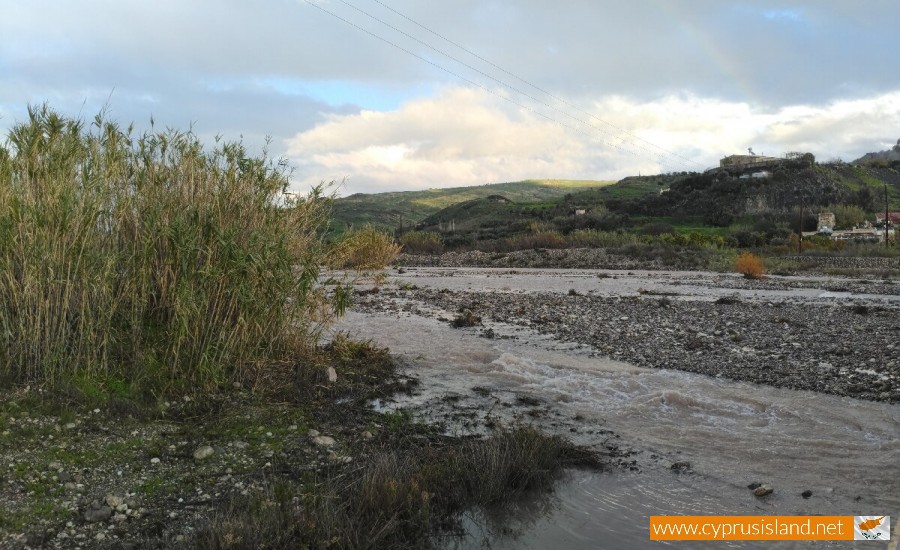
x=388, y=210
x=891, y=155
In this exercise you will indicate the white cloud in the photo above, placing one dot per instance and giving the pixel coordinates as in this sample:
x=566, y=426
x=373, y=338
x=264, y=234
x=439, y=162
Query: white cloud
x=458, y=137
x=466, y=137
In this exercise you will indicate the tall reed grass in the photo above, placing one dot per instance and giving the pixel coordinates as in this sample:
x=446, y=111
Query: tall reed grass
x=147, y=262
x=365, y=248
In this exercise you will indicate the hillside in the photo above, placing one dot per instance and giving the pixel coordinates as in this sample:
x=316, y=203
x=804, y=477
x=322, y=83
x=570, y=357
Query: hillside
x=718, y=198
x=387, y=210
x=751, y=210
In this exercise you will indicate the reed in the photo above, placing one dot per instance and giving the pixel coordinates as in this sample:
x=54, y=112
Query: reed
x=365, y=248
x=147, y=262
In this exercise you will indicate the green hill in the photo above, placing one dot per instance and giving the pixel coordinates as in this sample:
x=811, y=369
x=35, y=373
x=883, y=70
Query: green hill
x=385, y=210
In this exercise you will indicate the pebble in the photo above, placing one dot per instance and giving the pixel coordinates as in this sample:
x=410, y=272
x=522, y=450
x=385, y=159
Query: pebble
x=763, y=490
x=202, y=453
x=324, y=441
x=102, y=513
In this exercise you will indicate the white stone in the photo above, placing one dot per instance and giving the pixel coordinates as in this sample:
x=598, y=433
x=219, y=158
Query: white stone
x=202, y=453
x=324, y=441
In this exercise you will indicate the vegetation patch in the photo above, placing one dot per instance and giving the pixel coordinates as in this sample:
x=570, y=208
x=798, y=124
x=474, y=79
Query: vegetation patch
x=465, y=319
x=396, y=499
x=361, y=249
x=135, y=266
x=750, y=266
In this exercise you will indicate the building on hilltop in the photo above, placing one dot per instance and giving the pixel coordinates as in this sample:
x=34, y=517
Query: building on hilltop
x=748, y=162
x=826, y=221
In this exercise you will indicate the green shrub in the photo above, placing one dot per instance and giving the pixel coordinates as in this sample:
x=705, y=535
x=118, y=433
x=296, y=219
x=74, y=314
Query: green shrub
x=147, y=260
x=542, y=239
x=601, y=239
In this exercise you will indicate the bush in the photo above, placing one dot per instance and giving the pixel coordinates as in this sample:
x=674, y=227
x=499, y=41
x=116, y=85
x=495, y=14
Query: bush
x=146, y=262
x=750, y=265
x=422, y=242
x=601, y=239
x=658, y=228
x=366, y=248
x=542, y=239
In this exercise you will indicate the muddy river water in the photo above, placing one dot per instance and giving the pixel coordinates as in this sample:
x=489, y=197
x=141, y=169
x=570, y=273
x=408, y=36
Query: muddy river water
x=844, y=451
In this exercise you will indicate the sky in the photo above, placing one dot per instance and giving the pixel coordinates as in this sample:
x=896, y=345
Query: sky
x=393, y=95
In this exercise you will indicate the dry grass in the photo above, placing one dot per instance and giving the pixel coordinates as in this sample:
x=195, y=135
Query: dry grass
x=750, y=265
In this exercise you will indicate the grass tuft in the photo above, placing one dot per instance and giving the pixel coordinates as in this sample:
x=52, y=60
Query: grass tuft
x=396, y=500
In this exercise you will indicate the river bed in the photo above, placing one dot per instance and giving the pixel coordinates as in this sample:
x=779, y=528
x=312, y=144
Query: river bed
x=730, y=433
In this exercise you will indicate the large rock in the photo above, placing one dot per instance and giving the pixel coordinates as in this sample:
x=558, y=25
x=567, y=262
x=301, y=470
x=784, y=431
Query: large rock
x=95, y=515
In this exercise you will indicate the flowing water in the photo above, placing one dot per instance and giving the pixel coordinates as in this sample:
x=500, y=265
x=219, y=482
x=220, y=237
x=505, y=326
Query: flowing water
x=845, y=451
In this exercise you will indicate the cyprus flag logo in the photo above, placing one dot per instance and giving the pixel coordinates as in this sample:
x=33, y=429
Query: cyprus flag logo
x=871, y=527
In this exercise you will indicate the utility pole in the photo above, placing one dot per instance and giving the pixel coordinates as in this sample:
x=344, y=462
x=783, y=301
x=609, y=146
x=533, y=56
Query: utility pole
x=887, y=219
x=800, y=228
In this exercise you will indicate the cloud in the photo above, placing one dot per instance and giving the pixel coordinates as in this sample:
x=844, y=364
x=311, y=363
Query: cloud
x=460, y=136
x=470, y=137
x=697, y=77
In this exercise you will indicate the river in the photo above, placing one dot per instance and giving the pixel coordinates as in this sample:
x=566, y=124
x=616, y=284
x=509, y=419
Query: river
x=845, y=451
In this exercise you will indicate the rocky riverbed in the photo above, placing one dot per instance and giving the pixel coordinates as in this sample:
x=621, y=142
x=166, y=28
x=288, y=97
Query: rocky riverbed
x=646, y=257
x=848, y=347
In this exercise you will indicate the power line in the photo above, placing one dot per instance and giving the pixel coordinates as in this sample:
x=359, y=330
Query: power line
x=659, y=157
x=461, y=77
x=474, y=83
x=536, y=87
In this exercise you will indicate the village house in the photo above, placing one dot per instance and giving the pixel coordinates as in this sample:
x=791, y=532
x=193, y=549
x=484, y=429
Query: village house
x=894, y=218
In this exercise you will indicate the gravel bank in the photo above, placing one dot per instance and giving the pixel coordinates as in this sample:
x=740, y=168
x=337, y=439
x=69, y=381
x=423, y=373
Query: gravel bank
x=647, y=257
x=842, y=349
